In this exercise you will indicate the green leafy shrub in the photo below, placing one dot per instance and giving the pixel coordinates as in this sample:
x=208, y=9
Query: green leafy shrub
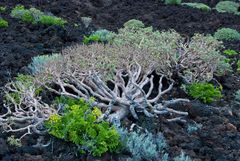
x=200, y=6
x=3, y=23
x=205, y=92
x=144, y=146
x=230, y=52
x=183, y=157
x=79, y=125
x=227, y=6
x=3, y=9
x=52, y=20
x=227, y=34
x=35, y=16
x=173, y=2
x=98, y=36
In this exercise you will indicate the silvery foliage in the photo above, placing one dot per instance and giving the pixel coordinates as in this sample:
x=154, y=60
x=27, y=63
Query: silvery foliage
x=237, y=96
x=183, y=157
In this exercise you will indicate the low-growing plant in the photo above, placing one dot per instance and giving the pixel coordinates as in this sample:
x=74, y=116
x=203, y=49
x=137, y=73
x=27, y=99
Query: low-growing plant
x=204, y=92
x=98, y=36
x=227, y=34
x=38, y=62
x=238, y=66
x=35, y=16
x=3, y=9
x=86, y=21
x=237, y=96
x=79, y=125
x=200, y=6
x=14, y=141
x=145, y=146
x=230, y=52
x=227, y=6
x=183, y=157
x=191, y=128
x=3, y=23
x=51, y=20
x=173, y=2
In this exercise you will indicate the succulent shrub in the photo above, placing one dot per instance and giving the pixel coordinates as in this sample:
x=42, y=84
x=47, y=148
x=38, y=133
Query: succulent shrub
x=35, y=16
x=3, y=23
x=79, y=125
x=183, y=157
x=98, y=36
x=86, y=21
x=227, y=34
x=227, y=6
x=145, y=146
x=200, y=6
x=204, y=92
x=230, y=52
x=191, y=128
x=173, y=2
x=187, y=59
x=38, y=62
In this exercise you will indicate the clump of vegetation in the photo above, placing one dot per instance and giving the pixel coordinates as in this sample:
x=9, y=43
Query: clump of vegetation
x=3, y=9
x=191, y=128
x=228, y=6
x=3, y=23
x=38, y=62
x=204, y=92
x=200, y=6
x=237, y=96
x=14, y=141
x=36, y=16
x=98, y=36
x=86, y=21
x=173, y=2
x=238, y=66
x=169, y=47
x=183, y=157
x=79, y=125
x=227, y=34
x=145, y=146
x=230, y=52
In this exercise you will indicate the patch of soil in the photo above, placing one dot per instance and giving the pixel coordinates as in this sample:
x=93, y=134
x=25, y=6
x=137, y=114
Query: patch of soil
x=220, y=135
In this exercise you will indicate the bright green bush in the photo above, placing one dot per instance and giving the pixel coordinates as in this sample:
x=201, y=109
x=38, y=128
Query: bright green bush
x=173, y=2
x=227, y=34
x=51, y=20
x=79, y=125
x=200, y=6
x=35, y=16
x=204, y=92
x=230, y=52
x=3, y=23
x=227, y=6
x=238, y=66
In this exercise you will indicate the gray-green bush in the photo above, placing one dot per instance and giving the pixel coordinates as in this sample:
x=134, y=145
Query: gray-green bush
x=200, y=6
x=173, y=2
x=228, y=6
x=227, y=34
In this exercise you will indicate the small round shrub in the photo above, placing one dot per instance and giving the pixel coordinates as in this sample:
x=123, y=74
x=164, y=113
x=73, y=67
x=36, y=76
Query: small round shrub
x=204, y=92
x=3, y=23
x=200, y=6
x=227, y=34
x=173, y=2
x=230, y=52
x=227, y=6
x=51, y=20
